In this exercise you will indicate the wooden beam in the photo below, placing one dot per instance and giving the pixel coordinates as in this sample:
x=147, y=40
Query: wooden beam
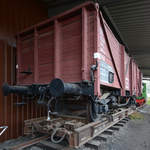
x=84, y=43
x=57, y=49
x=36, y=65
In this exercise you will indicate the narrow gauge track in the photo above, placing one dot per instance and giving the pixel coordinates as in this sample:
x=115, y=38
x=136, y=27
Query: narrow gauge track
x=100, y=134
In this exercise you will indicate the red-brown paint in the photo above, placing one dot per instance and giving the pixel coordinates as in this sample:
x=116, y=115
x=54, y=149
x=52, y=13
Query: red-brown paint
x=70, y=40
x=16, y=15
x=36, y=60
x=122, y=70
x=84, y=43
x=57, y=49
x=63, y=47
x=11, y=114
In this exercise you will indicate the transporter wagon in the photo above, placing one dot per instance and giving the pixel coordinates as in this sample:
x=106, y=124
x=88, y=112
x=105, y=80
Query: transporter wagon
x=75, y=65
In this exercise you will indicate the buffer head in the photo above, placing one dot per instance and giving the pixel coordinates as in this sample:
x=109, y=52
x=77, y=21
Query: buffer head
x=57, y=87
x=6, y=89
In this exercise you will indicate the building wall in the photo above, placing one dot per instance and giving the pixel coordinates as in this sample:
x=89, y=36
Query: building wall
x=11, y=114
x=16, y=15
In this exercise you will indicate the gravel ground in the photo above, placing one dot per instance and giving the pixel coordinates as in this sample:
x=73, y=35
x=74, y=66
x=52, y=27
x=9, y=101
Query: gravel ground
x=135, y=135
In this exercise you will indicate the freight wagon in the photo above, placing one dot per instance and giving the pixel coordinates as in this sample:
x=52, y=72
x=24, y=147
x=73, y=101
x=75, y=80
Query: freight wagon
x=74, y=64
x=66, y=47
x=77, y=47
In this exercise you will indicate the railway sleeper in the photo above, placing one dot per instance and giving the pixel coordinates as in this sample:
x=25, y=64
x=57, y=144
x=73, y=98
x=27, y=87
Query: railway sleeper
x=95, y=144
x=122, y=121
x=119, y=125
x=126, y=119
x=108, y=132
x=114, y=128
x=52, y=145
x=102, y=138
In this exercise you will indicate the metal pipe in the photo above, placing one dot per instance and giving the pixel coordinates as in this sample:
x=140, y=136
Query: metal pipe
x=122, y=105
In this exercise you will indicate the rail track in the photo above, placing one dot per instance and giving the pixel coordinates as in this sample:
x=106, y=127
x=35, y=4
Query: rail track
x=87, y=137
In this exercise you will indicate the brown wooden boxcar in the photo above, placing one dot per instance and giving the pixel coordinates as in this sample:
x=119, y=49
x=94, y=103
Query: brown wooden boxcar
x=67, y=45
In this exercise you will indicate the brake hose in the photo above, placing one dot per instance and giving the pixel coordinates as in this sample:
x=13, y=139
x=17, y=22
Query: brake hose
x=54, y=133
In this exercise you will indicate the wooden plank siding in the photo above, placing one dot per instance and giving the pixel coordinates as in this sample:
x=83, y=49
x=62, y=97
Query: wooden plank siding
x=15, y=16
x=13, y=115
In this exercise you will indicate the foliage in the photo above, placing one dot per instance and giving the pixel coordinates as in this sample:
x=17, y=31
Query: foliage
x=136, y=116
x=148, y=102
